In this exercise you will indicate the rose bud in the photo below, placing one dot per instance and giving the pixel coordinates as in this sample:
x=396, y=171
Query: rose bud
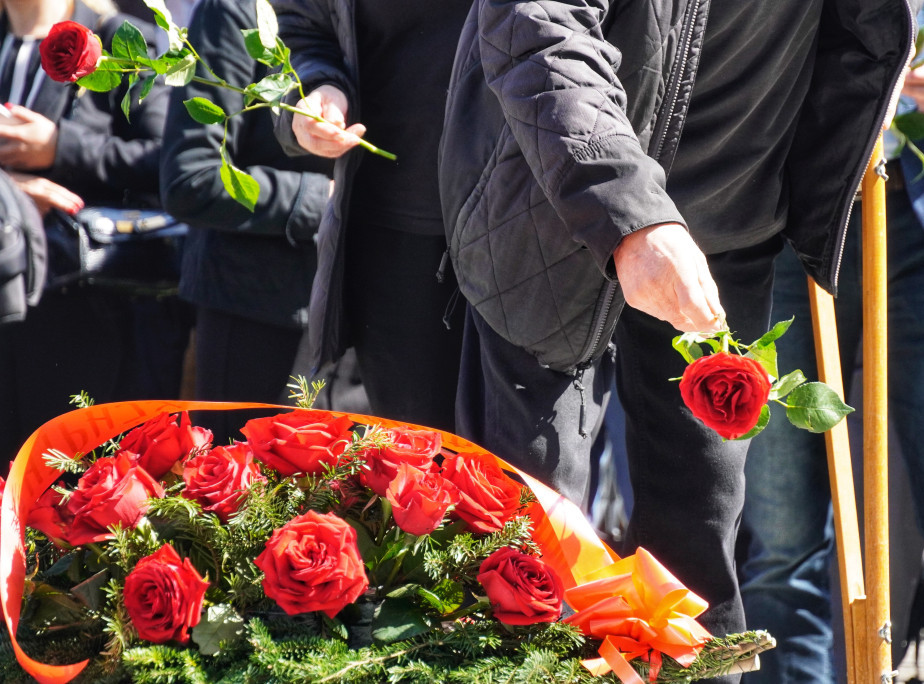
x=163, y=596
x=312, y=563
x=488, y=497
x=300, y=442
x=417, y=448
x=70, y=51
x=113, y=491
x=419, y=499
x=161, y=442
x=522, y=589
x=220, y=478
x=726, y=392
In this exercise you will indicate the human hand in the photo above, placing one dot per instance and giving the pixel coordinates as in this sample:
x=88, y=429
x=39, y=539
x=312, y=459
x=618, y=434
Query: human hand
x=329, y=138
x=663, y=273
x=46, y=194
x=28, y=140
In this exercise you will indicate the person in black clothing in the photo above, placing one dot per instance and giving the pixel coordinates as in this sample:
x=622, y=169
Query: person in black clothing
x=381, y=244
x=248, y=273
x=602, y=152
x=67, y=148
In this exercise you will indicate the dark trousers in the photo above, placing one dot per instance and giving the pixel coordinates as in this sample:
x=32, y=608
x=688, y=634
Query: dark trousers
x=112, y=346
x=404, y=325
x=688, y=483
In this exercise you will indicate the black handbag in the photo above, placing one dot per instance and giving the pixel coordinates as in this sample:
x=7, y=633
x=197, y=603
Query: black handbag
x=134, y=251
x=22, y=252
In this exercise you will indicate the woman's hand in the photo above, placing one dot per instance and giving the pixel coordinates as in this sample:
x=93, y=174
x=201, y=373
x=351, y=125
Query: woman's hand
x=331, y=139
x=46, y=194
x=28, y=140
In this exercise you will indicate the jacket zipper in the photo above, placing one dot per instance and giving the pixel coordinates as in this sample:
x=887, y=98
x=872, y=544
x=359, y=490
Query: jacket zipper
x=609, y=293
x=674, y=92
x=870, y=145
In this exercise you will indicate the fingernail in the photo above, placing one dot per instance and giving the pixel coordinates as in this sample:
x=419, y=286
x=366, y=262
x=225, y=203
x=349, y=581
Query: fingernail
x=8, y=105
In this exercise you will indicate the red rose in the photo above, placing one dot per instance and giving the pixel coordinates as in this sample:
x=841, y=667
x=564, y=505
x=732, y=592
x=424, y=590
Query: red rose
x=161, y=442
x=313, y=563
x=70, y=51
x=113, y=491
x=522, y=589
x=726, y=392
x=417, y=448
x=419, y=499
x=51, y=517
x=220, y=478
x=163, y=596
x=489, y=498
x=300, y=441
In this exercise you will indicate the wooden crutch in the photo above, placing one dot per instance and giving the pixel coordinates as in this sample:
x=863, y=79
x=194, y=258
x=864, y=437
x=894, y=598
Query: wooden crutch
x=867, y=628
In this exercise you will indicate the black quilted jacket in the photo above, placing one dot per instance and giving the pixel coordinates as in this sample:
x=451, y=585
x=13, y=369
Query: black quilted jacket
x=555, y=146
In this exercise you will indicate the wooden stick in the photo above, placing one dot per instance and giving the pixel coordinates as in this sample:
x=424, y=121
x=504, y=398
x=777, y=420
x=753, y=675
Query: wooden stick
x=875, y=418
x=843, y=494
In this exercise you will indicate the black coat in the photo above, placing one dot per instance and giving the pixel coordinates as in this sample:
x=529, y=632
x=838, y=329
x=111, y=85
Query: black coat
x=544, y=166
x=259, y=265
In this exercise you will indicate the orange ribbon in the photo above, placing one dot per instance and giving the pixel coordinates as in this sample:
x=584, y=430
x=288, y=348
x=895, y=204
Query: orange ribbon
x=592, y=573
x=638, y=609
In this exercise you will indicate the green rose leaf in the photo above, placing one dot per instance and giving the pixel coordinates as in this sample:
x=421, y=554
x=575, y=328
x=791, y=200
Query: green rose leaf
x=815, y=407
x=127, y=98
x=240, y=185
x=129, y=43
x=688, y=346
x=164, y=19
x=219, y=624
x=762, y=422
x=146, y=86
x=106, y=77
x=772, y=335
x=256, y=50
x=272, y=88
x=266, y=24
x=397, y=619
x=445, y=597
x=204, y=111
x=766, y=357
x=182, y=72
x=786, y=384
x=911, y=124
x=168, y=61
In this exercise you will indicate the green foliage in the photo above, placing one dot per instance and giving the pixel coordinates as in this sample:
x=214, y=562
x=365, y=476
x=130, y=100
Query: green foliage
x=303, y=394
x=178, y=67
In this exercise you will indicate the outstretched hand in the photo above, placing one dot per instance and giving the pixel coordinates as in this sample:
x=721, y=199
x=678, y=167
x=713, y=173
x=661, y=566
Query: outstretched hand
x=332, y=137
x=663, y=273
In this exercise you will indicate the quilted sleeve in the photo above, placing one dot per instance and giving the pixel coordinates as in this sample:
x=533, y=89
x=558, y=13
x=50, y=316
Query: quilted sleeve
x=555, y=77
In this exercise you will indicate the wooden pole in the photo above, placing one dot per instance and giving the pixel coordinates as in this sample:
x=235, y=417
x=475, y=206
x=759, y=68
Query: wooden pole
x=875, y=419
x=843, y=494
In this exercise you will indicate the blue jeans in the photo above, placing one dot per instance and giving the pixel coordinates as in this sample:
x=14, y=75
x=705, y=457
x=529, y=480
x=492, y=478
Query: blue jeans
x=786, y=541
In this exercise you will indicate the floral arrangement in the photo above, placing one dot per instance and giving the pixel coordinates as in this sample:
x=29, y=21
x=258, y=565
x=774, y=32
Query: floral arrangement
x=729, y=388
x=72, y=53
x=321, y=547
